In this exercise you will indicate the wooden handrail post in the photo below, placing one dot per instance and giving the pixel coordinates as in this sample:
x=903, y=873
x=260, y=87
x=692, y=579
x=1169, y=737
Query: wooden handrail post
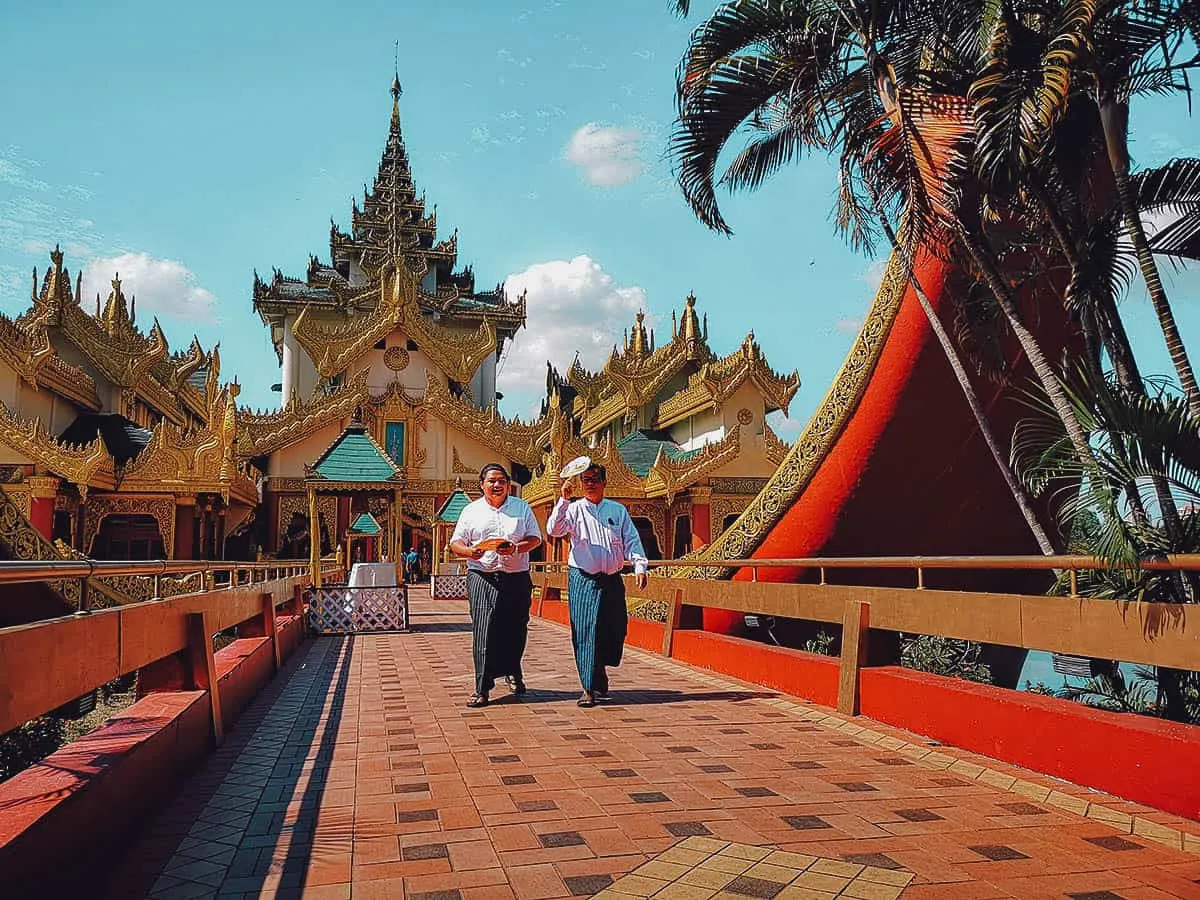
x=204, y=668
x=674, y=611
x=268, y=616
x=856, y=629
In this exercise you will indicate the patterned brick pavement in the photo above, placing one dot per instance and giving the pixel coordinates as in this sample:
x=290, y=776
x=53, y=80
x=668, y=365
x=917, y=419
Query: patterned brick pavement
x=360, y=773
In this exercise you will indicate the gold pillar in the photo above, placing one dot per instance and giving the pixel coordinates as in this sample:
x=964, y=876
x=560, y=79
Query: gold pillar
x=314, y=538
x=397, y=525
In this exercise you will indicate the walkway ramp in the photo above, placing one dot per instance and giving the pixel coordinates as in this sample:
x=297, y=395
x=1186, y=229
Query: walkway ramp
x=360, y=773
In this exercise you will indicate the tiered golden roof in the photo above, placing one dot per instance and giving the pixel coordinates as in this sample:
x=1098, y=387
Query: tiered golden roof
x=332, y=350
x=513, y=438
x=636, y=376
x=390, y=230
x=262, y=433
x=141, y=365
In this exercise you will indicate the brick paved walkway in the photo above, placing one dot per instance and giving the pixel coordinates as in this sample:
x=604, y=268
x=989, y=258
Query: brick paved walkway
x=360, y=773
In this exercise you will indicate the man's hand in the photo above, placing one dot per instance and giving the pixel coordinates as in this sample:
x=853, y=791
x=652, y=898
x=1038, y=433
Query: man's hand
x=566, y=490
x=508, y=548
x=640, y=580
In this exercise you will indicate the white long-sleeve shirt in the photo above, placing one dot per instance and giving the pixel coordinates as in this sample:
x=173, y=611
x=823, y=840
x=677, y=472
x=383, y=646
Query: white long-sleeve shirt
x=513, y=521
x=602, y=535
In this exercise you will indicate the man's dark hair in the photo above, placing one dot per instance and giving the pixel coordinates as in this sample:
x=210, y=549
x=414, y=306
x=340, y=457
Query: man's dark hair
x=598, y=470
x=493, y=467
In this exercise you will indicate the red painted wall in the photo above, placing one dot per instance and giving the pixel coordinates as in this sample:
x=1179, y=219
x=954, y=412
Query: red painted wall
x=1135, y=757
x=106, y=783
x=808, y=675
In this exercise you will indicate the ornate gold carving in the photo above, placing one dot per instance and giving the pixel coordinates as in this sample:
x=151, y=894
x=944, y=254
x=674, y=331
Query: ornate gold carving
x=396, y=358
x=186, y=366
x=332, y=350
x=23, y=500
x=111, y=341
x=162, y=509
x=668, y=476
x=199, y=461
x=420, y=507
x=657, y=514
x=393, y=405
x=775, y=448
x=289, y=504
x=458, y=467
x=262, y=433
x=746, y=485
x=699, y=493
x=82, y=465
x=722, y=507
x=517, y=440
x=717, y=381
x=24, y=542
x=819, y=436
x=43, y=487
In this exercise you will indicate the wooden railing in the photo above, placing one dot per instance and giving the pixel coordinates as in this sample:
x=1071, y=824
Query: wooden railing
x=46, y=664
x=1156, y=634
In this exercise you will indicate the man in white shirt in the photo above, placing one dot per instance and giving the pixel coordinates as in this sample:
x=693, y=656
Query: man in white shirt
x=602, y=538
x=495, y=534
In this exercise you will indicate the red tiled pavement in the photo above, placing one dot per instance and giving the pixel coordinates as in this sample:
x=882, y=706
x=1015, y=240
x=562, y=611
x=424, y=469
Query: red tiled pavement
x=360, y=773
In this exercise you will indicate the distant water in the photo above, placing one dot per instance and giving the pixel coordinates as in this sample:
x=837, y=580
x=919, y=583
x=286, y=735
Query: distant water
x=1039, y=668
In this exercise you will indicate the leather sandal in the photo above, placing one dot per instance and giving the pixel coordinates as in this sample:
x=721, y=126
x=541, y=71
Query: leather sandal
x=517, y=686
x=586, y=700
x=477, y=701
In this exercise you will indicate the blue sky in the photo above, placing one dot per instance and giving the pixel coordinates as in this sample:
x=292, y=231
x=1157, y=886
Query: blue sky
x=191, y=144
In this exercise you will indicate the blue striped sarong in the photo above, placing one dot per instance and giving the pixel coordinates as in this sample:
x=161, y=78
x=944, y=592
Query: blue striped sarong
x=499, y=604
x=599, y=621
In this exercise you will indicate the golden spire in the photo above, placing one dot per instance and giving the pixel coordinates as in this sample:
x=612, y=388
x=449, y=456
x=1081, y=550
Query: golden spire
x=638, y=345
x=689, y=326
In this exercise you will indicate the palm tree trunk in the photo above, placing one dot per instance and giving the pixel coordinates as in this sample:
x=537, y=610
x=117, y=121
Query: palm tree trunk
x=964, y=382
x=1113, y=121
x=1116, y=342
x=1033, y=350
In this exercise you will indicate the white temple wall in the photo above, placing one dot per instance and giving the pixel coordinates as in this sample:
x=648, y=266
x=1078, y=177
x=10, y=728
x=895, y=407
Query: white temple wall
x=289, y=462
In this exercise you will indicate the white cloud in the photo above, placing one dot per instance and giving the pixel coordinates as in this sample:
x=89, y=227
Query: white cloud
x=163, y=287
x=608, y=156
x=873, y=276
x=572, y=306
x=848, y=325
x=787, y=429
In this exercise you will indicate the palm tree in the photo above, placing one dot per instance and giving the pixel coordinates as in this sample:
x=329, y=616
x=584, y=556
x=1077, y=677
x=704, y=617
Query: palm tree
x=1138, y=438
x=1043, y=57
x=818, y=76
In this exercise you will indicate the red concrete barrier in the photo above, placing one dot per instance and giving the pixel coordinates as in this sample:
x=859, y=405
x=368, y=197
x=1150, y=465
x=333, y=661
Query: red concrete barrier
x=88, y=794
x=104, y=784
x=243, y=667
x=1136, y=757
x=795, y=672
x=645, y=634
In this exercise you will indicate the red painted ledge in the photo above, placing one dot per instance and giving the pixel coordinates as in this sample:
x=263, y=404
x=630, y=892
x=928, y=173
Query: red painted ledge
x=112, y=778
x=808, y=675
x=1136, y=757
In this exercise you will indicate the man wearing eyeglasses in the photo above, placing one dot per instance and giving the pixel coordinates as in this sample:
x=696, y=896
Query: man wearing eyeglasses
x=602, y=538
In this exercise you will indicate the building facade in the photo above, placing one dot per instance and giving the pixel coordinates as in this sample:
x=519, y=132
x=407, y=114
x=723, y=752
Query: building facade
x=113, y=446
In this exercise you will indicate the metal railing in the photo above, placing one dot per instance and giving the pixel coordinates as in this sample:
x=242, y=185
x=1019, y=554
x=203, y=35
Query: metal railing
x=216, y=574
x=1072, y=564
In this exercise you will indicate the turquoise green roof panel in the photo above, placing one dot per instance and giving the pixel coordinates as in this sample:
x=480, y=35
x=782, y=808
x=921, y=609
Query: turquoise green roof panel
x=639, y=449
x=365, y=524
x=355, y=456
x=453, y=507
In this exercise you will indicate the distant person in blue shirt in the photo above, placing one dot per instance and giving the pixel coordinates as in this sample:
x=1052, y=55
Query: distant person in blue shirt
x=602, y=538
x=410, y=565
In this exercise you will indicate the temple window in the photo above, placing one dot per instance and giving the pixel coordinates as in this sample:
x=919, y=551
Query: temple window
x=128, y=537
